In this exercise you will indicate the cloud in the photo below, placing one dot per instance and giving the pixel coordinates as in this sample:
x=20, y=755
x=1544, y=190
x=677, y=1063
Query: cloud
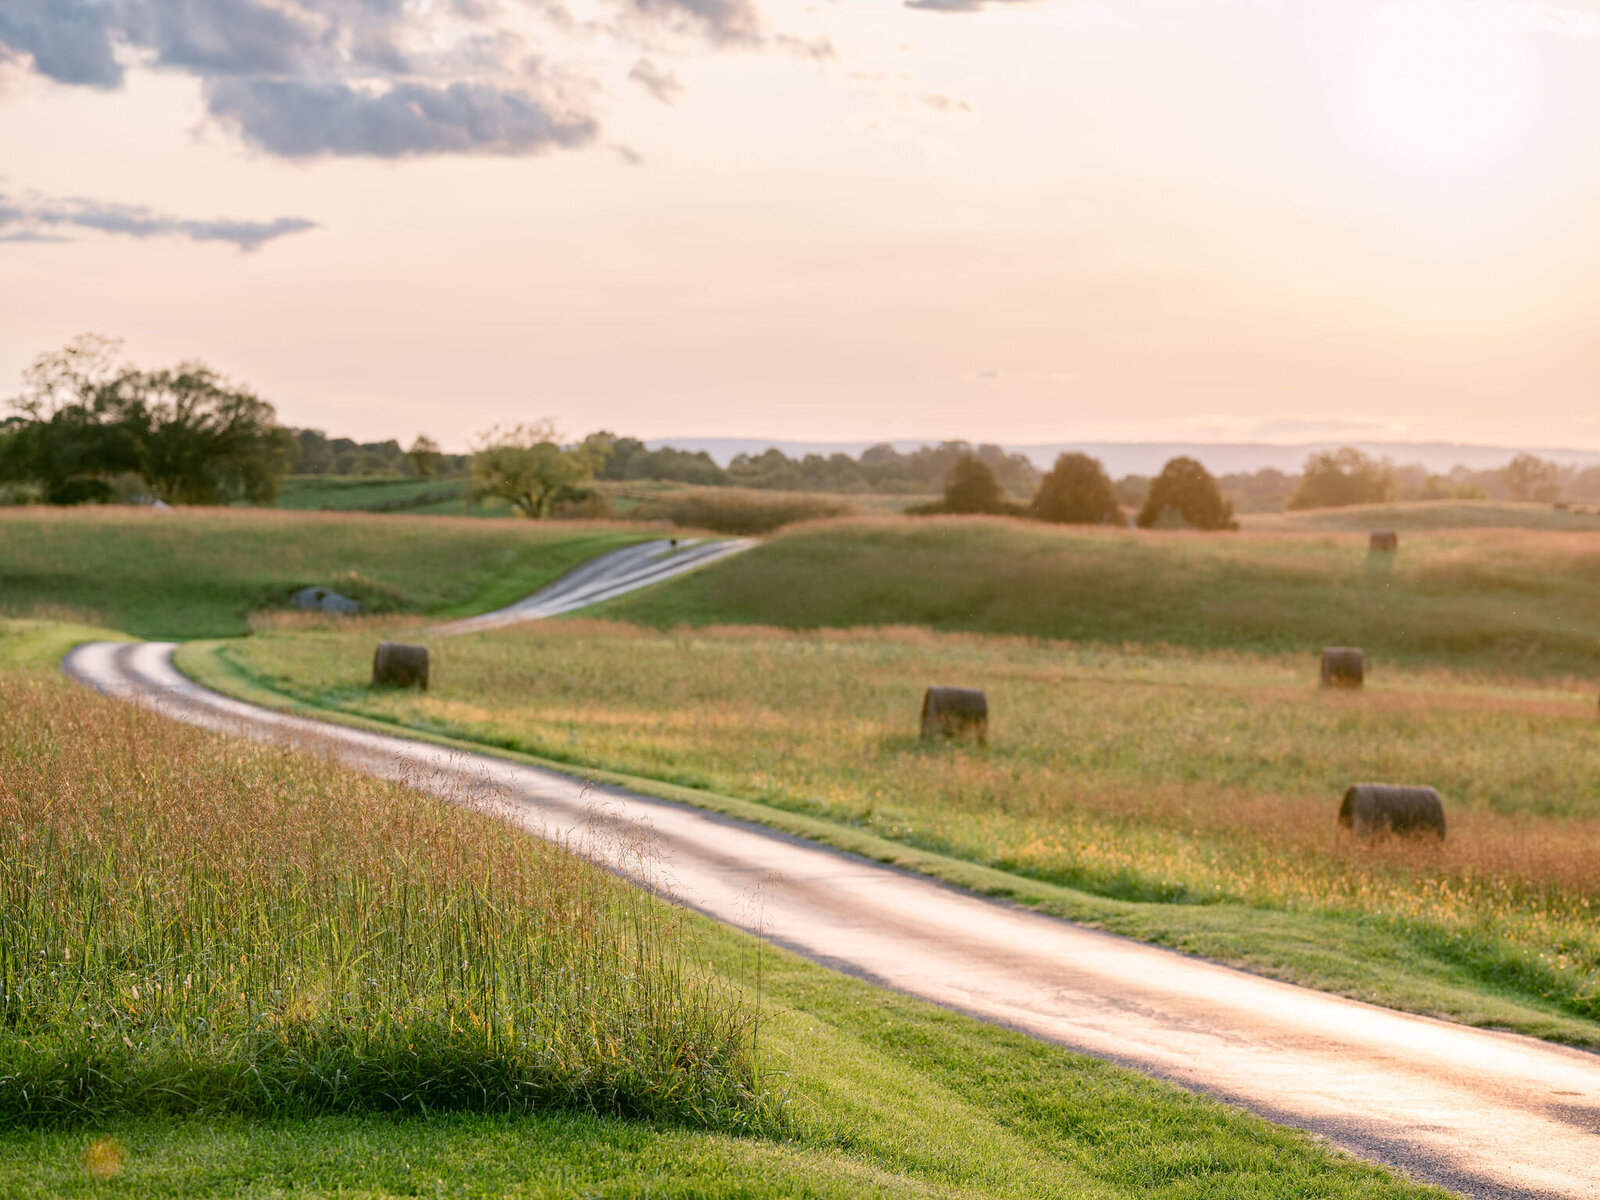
x=301, y=120
x=68, y=40
x=720, y=20
x=223, y=37
x=660, y=83
x=956, y=6
x=986, y=376
x=373, y=78
x=37, y=220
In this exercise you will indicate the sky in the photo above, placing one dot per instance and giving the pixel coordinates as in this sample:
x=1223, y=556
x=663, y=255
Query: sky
x=1000, y=220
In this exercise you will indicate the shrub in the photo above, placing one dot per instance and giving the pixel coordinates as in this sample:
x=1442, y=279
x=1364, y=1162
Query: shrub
x=743, y=511
x=1076, y=492
x=1187, y=489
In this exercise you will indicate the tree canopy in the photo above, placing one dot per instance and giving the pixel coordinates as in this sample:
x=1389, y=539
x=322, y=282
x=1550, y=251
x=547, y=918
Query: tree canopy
x=1338, y=478
x=186, y=433
x=1186, y=488
x=1529, y=477
x=527, y=466
x=1076, y=492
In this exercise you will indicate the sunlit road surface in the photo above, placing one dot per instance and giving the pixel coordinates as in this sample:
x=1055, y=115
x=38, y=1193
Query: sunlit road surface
x=1489, y=1114
x=603, y=578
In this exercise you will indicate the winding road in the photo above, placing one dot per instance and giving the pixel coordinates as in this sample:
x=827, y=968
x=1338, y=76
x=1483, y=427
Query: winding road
x=1489, y=1114
x=602, y=578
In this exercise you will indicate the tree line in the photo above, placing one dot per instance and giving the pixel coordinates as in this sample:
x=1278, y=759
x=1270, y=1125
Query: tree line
x=85, y=429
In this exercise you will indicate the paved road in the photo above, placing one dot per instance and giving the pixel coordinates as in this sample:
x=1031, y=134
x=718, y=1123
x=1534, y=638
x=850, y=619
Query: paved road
x=1490, y=1114
x=603, y=578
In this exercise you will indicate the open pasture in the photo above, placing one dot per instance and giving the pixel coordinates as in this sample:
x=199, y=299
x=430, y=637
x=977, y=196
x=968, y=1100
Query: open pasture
x=1495, y=600
x=1419, y=515
x=1193, y=797
x=200, y=573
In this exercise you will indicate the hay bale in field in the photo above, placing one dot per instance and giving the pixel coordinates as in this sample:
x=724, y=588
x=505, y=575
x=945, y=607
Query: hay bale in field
x=1384, y=541
x=955, y=712
x=1343, y=666
x=395, y=664
x=325, y=600
x=1369, y=807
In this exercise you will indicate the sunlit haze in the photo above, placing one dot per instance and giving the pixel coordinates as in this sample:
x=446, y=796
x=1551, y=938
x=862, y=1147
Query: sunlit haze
x=1004, y=221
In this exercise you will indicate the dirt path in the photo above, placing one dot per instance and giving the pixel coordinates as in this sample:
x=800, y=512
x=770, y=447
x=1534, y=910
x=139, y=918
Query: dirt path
x=1490, y=1114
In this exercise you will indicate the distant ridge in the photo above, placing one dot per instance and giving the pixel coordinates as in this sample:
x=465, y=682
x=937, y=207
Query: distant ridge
x=1146, y=458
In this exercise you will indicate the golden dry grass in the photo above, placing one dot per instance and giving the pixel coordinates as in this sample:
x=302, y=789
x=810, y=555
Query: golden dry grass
x=1140, y=774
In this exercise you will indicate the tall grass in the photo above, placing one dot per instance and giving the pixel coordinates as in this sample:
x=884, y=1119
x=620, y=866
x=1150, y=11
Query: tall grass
x=1150, y=775
x=189, y=924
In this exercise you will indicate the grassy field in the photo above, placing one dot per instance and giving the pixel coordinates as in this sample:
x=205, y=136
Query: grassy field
x=1432, y=514
x=367, y=493
x=200, y=573
x=1181, y=798
x=241, y=971
x=1505, y=601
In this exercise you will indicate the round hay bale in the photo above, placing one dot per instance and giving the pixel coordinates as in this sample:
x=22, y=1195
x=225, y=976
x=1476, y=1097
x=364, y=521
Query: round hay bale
x=1369, y=807
x=1343, y=666
x=395, y=664
x=1384, y=541
x=955, y=712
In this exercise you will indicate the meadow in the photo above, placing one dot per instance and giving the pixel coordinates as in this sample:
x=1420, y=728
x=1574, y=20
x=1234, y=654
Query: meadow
x=1434, y=514
x=1180, y=797
x=200, y=573
x=235, y=970
x=1510, y=601
x=370, y=493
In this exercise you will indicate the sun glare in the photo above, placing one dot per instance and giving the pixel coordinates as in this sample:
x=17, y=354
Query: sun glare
x=1446, y=82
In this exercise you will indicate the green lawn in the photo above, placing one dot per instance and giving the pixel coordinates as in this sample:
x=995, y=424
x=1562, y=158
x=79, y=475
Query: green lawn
x=1184, y=799
x=169, y=892
x=200, y=573
x=892, y=1098
x=1492, y=600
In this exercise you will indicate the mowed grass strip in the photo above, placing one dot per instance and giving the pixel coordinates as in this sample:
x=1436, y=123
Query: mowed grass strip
x=200, y=572
x=231, y=955
x=189, y=925
x=1510, y=601
x=1194, y=796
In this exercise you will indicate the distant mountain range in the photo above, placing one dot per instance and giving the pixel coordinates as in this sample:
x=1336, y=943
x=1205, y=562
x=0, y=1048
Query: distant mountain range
x=1146, y=458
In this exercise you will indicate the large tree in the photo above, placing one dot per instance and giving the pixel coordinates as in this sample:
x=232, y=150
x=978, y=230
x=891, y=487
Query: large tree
x=1076, y=492
x=191, y=437
x=1529, y=477
x=528, y=467
x=1337, y=478
x=973, y=488
x=202, y=441
x=1186, y=488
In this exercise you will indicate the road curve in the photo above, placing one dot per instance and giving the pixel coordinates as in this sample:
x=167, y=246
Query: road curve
x=602, y=578
x=1489, y=1114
